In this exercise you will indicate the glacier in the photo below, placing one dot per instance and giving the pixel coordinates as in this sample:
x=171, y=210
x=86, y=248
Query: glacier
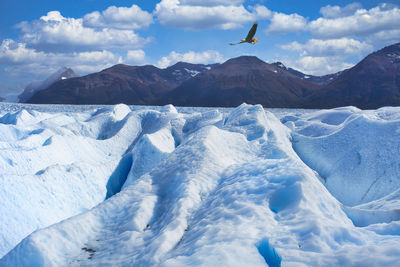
x=169, y=186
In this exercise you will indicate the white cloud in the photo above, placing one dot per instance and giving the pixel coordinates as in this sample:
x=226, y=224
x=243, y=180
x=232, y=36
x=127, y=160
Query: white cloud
x=205, y=57
x=25, y=61
x=95, y=57
x=260, y=12
x=377, y=26
x=190, y=15
x=12, y=52
x=211, y=2
x=383, y=38
x=361, y=24
x=342, y=36
x=283, y=23
x=318, y=65
x=24, y=65
x=54, y=32
x=135, y=56
x=119, y=17
x=332, y=47
x=337, y=11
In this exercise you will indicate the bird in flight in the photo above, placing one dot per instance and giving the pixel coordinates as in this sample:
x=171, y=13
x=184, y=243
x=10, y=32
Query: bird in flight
x=249, y=38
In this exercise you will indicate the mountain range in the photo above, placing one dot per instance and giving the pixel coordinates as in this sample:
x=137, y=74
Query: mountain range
x=372, y=83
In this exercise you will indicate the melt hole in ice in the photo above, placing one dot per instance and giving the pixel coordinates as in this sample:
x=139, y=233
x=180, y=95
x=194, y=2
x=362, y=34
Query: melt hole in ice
x=271, y=257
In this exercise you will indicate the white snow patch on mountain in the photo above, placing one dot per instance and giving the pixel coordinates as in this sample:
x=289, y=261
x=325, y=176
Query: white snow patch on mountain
x=192, y=73
x=159, y=186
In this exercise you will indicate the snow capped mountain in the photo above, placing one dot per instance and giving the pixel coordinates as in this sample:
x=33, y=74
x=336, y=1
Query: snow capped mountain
x=160, y=186
x=61, y=74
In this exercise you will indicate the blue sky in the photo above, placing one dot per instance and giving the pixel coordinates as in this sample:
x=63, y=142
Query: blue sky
x=315, y=37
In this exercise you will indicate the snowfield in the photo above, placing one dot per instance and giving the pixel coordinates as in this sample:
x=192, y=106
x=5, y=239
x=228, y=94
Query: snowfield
x=166, y=186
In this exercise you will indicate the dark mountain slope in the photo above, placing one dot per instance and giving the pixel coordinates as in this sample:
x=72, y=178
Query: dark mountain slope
x=372, y=83
x=320, y=80
x=243, y=79
x=119, y=84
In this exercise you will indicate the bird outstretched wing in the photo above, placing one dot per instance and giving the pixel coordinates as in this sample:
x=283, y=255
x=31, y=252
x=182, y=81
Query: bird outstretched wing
x=251, y=33
x=241, y=42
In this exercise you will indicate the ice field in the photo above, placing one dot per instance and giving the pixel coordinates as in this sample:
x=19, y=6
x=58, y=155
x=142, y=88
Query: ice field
x=166, y=186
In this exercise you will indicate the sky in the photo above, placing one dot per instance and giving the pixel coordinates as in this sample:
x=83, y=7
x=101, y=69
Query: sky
x=316, y=37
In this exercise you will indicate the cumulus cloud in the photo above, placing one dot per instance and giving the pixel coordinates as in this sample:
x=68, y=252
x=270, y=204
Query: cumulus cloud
x=331, y=47
x=190, y=14
x=135, y=56
x=54, y=32
x=12, y=52
x=27, y=61
x=211, y=2
x=340, y=37
x=386, y=37
x=260, y=12
x=337, y=11
x=283, y=23
x=377, y=25
x=119, y=17
x=205, y=57
x=360, y=24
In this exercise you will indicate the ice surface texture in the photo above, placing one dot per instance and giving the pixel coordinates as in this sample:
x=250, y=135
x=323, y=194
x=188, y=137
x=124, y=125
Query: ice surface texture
x=157, y=187
x=357, y=155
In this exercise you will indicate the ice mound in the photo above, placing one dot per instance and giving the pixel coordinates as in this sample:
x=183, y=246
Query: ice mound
x=20, y=117
x=158, y=187
x=356, y=153
x=384, y=210
x=120, y=111
x=50, y=169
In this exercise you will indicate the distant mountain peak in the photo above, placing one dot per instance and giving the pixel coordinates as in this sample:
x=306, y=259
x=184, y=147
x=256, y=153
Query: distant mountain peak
x=185, y=65
x=244, y=60
x=372, y=83
x=62, y=73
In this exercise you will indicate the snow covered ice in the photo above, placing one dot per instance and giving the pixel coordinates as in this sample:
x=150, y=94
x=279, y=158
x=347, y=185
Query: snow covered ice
x=166, y=186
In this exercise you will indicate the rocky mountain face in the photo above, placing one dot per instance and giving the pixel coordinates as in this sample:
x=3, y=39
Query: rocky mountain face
x=372, y=83
x=34, y=87
x=320, y=80
x=139, y=85
x=243, y=79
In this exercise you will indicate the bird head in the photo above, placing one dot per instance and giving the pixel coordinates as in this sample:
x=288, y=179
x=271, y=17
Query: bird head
x=255, y=40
